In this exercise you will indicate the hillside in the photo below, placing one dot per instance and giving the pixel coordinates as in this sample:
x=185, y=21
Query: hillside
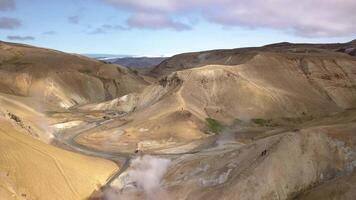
x=30, y=169
x=272, y=89
x=274, y=104
x=61, y=79
x=242, y=55
x=272, y=122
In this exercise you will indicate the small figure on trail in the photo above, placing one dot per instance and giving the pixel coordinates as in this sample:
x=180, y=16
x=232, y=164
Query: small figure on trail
x=138, y=150
x=264, y=153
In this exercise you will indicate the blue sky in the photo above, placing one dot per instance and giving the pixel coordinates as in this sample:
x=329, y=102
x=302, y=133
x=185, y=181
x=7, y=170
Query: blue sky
x=167, y=27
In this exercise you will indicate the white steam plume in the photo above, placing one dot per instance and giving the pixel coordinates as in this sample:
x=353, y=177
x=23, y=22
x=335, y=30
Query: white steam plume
x=144, y=175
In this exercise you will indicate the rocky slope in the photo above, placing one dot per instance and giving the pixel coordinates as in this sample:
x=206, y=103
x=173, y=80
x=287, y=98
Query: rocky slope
x=273, y=122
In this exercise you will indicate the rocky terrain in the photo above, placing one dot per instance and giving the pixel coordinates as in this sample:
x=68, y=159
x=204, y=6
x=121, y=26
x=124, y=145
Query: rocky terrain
x=272, y=122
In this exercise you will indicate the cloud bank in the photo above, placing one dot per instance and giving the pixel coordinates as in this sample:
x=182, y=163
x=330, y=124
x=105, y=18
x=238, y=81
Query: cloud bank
x=306, y=18
x=49, y=33
x=155, y=21
x=9, y=23
x=73, y=19
x=107, y=27
x=20, y=38
x=7, y=5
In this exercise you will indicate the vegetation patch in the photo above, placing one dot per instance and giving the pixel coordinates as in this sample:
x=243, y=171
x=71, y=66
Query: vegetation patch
x=14, y=60
x=264, y=122
x=85, y=71
x=214, y=125
x=238, y=121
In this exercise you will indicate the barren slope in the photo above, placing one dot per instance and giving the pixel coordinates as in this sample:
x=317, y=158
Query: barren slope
x=242, y=55
x=277, y=167
x=30, y=169
x=271, y=89
x=254, y=123
x=61, y=79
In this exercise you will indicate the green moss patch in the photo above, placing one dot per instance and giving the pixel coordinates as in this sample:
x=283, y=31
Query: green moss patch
x=264, y=122
x=214, y=126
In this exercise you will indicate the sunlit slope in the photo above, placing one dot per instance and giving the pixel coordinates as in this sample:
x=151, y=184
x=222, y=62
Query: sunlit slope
x=243, y=55
x=277, y=167
x=61, y=79
x=26, y=114
x=30, y=169
x=271, y=86
x=342, y=188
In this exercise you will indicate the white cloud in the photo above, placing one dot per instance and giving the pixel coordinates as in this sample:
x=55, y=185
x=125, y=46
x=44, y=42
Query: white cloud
x=307, y=18
x=155, y=21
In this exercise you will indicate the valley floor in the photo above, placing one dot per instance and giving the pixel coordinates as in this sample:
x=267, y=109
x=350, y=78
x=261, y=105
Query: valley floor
x=289, y=160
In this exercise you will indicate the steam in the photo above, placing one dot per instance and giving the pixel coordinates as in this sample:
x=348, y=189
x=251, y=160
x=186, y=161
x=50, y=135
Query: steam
x=224, y=138
x=141, y=181
x=227, y=137
x=147, y=171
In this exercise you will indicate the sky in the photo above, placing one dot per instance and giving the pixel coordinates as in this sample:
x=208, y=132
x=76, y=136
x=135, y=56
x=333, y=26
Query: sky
x=168, y=27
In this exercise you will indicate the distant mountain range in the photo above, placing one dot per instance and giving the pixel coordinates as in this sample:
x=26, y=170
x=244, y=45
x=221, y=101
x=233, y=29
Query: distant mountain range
x=129, y=61
x=105, y=56
x=136, y=62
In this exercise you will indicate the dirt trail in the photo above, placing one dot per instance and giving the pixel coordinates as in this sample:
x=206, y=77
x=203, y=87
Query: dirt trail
x=121, y=159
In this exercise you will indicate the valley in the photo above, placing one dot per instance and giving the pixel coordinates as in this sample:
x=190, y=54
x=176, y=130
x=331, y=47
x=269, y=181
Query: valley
x=270, y=122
